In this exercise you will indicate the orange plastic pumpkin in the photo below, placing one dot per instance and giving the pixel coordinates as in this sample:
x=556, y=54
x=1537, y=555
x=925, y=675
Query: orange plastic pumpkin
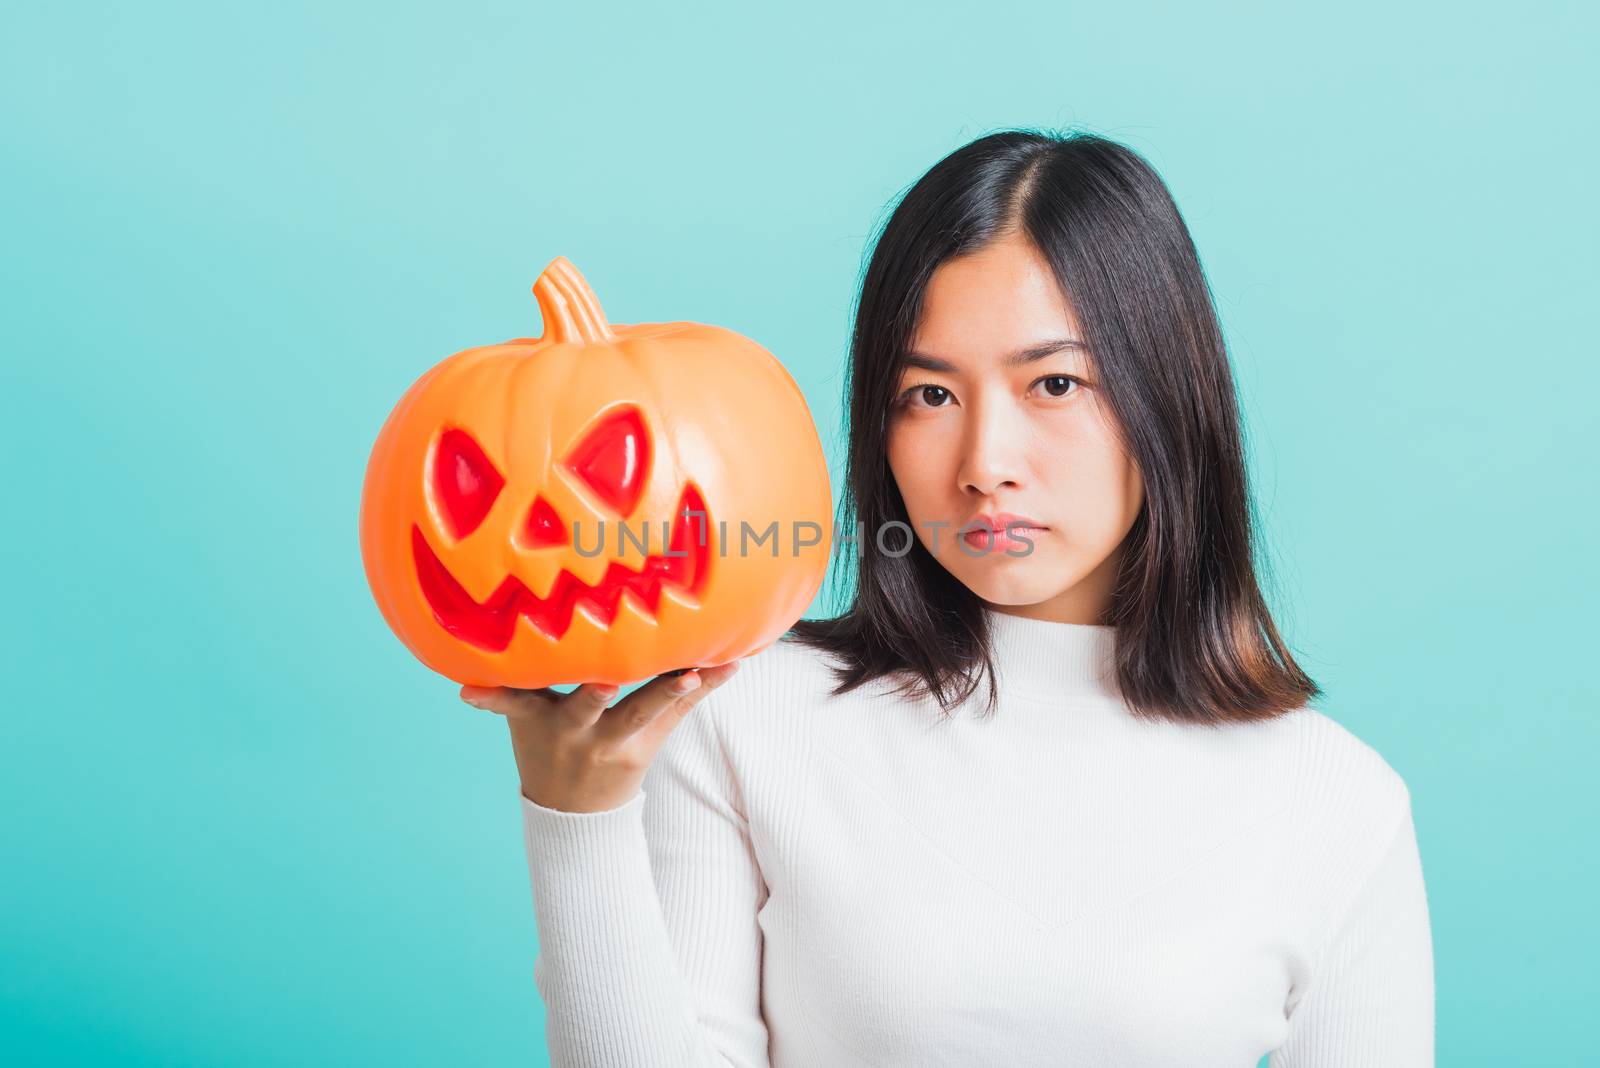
x=601, y=504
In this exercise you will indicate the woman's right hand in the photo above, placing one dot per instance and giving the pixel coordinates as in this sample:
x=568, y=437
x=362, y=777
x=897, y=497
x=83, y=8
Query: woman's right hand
x=578, y=755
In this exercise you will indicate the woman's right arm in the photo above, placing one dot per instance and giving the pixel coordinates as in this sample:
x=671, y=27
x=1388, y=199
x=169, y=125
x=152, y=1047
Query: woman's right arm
x=649, y=949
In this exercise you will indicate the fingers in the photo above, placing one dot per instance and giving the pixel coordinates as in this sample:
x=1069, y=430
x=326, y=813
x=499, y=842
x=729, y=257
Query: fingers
x=583, y=706
x=504, y=700
x=660, y=705
x=674, y=692
x=579, y=708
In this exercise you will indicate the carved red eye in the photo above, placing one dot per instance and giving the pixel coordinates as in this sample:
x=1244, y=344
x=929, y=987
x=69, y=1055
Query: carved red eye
x=613, y=459
x=465, y=482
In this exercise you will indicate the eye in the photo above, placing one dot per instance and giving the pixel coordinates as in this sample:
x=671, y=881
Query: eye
x=933, y=396
x=1064, y=385
x=613, y=458
x=465, y=482
x=927, y=391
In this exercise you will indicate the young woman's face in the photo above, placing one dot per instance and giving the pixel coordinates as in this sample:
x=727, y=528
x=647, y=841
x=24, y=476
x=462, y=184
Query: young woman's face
x=973, y=434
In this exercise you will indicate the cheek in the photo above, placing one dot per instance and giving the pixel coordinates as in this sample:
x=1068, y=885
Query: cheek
x=1103, y=493
x=909, y=464
x=1107, y=479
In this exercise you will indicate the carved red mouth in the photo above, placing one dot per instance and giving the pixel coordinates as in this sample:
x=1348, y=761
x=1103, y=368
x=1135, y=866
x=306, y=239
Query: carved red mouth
x=492, y=624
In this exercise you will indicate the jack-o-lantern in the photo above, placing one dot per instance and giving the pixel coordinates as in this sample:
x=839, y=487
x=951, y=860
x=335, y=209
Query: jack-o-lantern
x=601, y=504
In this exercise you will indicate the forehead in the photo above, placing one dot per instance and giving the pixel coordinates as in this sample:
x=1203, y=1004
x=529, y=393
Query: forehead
x=993, y=301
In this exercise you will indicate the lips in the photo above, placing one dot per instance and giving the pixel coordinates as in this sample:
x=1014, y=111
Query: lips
x=1019, y=538
x=998, y=521
x=1001, y=530
x=491, y=624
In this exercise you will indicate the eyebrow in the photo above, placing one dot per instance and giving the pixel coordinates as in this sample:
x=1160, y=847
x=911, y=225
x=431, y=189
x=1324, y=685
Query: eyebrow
x=1031, y=354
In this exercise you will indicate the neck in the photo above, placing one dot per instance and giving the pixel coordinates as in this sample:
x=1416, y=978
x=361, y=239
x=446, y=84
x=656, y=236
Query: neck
x=1049, y=658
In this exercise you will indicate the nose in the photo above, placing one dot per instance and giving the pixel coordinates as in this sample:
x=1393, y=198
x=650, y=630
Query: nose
x=992, y=453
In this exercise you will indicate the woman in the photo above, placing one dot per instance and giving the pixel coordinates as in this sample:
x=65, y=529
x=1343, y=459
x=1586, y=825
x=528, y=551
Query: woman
x=1143, y=848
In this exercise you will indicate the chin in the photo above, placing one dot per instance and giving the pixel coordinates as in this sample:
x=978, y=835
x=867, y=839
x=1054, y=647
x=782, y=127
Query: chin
x=1019, y=585
x=1041, y=575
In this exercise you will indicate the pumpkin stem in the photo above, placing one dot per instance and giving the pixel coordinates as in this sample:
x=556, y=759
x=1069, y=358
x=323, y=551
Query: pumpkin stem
x=570, y=309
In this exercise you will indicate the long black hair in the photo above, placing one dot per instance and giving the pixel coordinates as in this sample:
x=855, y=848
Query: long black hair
x=1195, y=641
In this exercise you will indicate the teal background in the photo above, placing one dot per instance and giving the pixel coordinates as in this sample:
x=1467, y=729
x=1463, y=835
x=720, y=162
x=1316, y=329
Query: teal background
x=242, y=826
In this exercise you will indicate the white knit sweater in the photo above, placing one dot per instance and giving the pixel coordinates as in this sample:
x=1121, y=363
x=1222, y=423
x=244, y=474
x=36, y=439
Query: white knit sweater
x=834, y=881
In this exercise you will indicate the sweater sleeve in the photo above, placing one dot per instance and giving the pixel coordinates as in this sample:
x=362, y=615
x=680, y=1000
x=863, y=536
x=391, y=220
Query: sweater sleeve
x=1370, y=1002
x=649, y=947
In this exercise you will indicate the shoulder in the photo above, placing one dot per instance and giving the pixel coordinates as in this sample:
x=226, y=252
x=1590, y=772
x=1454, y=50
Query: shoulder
x=744, y=739
x=1347, y=801
x=777, y=703
x=727, y=734
x=1334, y=765
x=1335, y=789
x=785, y=676
x=1304, y=756
x=1325, y=787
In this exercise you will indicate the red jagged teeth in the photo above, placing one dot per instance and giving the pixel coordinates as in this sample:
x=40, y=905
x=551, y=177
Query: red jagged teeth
x=492, y=624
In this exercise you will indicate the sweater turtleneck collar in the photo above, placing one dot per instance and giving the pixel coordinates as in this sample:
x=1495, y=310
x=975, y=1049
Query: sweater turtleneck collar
x=1048, y=659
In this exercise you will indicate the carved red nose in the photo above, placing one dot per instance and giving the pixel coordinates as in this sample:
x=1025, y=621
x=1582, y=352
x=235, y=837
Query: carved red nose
x=613, y=459
x=543, y=528
x=465, y=482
